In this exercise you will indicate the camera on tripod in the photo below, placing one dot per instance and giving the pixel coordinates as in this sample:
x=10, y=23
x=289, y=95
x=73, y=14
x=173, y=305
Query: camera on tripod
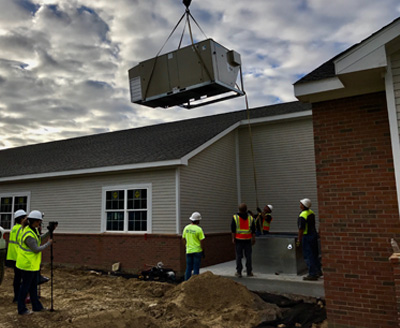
x=52, y=225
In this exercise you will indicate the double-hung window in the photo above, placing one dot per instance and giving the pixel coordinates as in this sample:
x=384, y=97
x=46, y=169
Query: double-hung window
x=127, y=208
x=9, y=204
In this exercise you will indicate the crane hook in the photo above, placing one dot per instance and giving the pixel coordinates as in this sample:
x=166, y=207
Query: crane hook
x=187, y=3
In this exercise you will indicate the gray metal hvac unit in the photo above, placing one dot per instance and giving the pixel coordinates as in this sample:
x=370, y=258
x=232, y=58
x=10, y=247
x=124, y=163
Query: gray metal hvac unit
x=182, y=77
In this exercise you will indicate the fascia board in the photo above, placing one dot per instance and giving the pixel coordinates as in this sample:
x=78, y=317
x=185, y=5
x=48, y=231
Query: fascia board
x=94, y=170
x=375, y=59
x=324, y=85
x=368, y=48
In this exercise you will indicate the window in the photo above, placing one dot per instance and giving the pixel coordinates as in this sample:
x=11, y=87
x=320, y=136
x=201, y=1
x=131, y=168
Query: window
x=8, y=205
x=127, y=209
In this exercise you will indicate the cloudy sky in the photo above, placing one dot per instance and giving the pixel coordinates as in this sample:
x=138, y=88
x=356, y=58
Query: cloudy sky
x=64, y=63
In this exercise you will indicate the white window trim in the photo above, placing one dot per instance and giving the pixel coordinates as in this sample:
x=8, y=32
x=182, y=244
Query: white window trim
x=147, y=186
x=17, y=193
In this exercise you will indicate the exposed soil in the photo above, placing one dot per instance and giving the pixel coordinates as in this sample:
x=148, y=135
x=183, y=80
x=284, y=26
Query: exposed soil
x=88, y=299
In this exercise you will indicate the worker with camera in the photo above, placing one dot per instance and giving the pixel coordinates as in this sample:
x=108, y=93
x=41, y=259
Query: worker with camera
x=29, y=260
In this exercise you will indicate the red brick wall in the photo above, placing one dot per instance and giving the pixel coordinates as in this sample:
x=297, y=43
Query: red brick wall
x=358, y=210
x=134, y=252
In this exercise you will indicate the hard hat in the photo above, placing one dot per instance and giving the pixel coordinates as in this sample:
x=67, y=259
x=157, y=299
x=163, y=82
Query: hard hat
x=306, y=202
x=270, y=207
x=19, y=213
x=196, y=216
x=36, y=215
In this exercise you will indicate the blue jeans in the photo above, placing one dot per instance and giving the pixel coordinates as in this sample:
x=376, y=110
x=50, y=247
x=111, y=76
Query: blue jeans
x=193, y=261
x=29, y=285
x=310, y=253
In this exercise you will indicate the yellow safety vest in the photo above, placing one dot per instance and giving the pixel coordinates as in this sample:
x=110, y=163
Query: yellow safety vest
x=27, y=260
x=305, y=214
x=13, y=246
x=243, y=227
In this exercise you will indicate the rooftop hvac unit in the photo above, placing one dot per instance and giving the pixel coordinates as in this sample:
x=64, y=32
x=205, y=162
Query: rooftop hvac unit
x=192, y=76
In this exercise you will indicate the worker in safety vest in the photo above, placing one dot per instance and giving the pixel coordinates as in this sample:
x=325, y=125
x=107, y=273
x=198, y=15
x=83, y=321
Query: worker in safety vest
x=243, y=230
x=29, y=260
x=308, y=238
x=20, y=217
x=193, y=239
x=266, y=219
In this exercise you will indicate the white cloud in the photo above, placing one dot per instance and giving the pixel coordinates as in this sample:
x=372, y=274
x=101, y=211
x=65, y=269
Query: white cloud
x=64, y=63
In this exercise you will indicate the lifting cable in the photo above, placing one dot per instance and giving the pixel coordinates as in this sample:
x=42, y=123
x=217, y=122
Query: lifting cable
x=251, y=148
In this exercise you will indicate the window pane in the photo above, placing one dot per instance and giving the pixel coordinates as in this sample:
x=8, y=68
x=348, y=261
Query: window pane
x=5, y=221
x=20, y=203
x=115, y=221
x=137, y=199
x=115, y=200
x=6, y=204
x=137, y=221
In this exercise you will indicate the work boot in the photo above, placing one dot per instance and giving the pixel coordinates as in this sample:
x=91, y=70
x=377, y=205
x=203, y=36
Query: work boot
x=250, y=274
x=310, y=278
x=238, y=274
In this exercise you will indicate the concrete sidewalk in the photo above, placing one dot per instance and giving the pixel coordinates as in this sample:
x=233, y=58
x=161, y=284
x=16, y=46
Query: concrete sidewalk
x=271, y=283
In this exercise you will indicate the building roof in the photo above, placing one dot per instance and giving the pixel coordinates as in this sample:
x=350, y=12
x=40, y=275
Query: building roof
x=327, y=69
x=151, y=144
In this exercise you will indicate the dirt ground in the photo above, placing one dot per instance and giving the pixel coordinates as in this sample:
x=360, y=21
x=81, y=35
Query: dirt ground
x=87, y=299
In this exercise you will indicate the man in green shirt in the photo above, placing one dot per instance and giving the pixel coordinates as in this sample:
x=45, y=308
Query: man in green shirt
x=193, y=239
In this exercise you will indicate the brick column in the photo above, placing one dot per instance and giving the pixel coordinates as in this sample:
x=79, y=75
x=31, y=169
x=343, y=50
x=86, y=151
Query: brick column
x=395, y=262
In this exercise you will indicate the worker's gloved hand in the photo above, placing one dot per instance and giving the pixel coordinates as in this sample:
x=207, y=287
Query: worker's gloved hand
x=258, y=210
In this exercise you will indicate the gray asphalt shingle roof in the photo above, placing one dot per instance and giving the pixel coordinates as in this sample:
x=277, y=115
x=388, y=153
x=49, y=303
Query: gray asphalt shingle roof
x=162, y=142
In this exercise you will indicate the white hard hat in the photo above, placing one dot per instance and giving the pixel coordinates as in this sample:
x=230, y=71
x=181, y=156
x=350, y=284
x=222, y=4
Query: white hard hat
x=196, y=216
x=306, y=202
x=270, y=207
x=19, y=213
x=36, y=215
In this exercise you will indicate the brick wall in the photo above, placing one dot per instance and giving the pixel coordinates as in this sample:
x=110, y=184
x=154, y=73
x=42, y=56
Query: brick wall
x=134, y=252
x=358, y=210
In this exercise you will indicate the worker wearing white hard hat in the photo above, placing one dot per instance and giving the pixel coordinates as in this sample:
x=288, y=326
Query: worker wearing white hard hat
x=308, y=238
x=193, y=239
x=29, y=260
x=13, y=248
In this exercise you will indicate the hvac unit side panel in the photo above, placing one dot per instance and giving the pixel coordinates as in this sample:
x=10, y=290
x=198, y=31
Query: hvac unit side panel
x=159, y=82
x=224, y=72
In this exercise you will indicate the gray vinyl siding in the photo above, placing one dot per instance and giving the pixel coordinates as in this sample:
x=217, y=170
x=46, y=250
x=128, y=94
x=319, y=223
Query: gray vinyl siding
x=395, y=61
x=76, y=202
x=285, y=169
x=208, y=185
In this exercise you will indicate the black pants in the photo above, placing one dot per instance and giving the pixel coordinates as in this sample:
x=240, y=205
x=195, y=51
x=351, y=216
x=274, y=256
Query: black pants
x=243, y=246
x=29, y=285
x=17, y=282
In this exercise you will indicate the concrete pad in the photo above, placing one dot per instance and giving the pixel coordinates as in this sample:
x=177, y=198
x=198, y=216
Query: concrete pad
x=271, y=283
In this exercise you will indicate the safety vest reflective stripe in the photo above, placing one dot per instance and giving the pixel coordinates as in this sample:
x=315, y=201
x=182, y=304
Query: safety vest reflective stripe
x=305, y=214
x=12, y=251
x=27, y=259
x=243, y=227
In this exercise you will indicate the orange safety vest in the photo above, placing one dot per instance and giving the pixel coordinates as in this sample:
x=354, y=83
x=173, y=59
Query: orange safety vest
x=266, y=224
x=243, y=227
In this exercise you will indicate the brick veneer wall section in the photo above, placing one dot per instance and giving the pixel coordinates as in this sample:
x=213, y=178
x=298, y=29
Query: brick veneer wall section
x=395, y=261
x=134, y=252
x=358, y=210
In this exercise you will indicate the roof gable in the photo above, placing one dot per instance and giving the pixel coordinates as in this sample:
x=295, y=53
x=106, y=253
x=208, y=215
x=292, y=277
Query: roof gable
x=368, y=55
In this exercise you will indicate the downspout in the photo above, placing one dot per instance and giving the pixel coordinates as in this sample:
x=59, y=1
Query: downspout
x=393, y=125
x=239, y=197
x=178, y=200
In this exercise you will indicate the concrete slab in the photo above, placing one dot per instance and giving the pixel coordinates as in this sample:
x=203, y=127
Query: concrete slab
x=271, y=283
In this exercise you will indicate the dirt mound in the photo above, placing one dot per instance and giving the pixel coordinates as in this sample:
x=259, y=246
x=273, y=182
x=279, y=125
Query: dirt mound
x=88, y=300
